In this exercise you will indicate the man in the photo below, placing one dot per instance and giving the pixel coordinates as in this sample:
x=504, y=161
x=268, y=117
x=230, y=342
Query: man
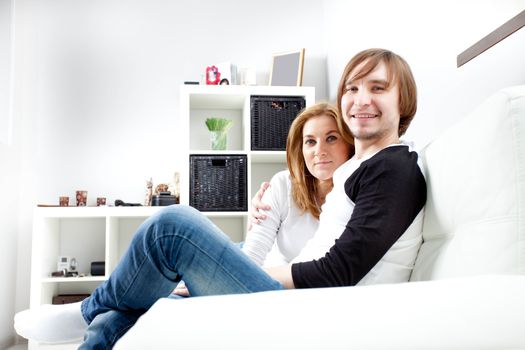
x=374, y=213
x=369, y=230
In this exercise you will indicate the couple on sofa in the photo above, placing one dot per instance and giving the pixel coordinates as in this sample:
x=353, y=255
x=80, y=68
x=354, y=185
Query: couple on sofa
x=368, y=232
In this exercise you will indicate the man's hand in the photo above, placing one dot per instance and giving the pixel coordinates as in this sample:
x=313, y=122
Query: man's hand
x=181, y=290
x=255, y=216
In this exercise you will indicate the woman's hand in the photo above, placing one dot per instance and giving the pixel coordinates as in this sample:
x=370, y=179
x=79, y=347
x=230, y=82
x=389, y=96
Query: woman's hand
x=255, y=216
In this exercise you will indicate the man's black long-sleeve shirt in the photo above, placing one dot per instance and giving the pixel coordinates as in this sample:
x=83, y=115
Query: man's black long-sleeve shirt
x=385, y=194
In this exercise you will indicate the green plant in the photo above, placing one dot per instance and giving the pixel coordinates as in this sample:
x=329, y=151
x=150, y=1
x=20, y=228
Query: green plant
x=219, y=124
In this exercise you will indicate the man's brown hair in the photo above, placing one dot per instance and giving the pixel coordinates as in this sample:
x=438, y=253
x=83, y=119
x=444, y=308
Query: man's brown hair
x=398, y=73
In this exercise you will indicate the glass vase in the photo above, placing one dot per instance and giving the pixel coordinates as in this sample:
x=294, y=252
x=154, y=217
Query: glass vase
x=218, y=140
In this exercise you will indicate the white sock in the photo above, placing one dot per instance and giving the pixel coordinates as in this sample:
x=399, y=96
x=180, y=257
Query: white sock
x=51, y=323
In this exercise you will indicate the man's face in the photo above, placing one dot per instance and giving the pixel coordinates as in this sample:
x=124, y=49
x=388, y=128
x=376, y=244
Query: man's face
x=370, y=110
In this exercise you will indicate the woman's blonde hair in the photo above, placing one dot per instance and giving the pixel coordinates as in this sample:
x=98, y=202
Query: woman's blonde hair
x=304, y=184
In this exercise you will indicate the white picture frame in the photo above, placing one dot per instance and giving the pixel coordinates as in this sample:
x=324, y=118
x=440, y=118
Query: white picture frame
x=287, y=68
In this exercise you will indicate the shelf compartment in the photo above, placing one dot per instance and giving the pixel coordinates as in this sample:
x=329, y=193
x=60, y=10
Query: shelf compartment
x=270, y=120
x=268, y=156
x=201, y=137
x=219, y=182
x=49, y=290
x=80, y=237
x=262, y=172
x=233, y=226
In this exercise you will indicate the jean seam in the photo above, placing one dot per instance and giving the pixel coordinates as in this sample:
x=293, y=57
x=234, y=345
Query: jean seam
x=83, y=311
x=119, y=334
x=196, y=246
x=134, y=277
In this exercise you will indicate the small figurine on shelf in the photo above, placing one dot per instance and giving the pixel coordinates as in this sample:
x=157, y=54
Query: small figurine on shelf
x=149, y=192
x=101, y=201
x=161, y=188
x=81, y=198
x=163, y=196
x=213, y=76
x=174, y=187
x=64, y=201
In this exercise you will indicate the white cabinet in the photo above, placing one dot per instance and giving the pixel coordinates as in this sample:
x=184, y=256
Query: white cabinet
x=86, y=233
x=198, y=102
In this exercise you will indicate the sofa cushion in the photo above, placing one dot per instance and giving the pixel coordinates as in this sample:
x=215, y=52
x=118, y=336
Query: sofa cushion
x=472, y=313
x=475, y=212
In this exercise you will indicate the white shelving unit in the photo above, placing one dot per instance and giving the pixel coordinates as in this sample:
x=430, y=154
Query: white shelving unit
x=198, y=102
x=104, y=233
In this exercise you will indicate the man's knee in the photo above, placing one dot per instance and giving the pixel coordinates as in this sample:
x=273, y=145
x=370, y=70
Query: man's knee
x=175, y=214
x=181, y=219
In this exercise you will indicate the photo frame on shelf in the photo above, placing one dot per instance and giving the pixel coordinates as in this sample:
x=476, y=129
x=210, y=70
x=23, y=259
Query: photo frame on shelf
x=287, y=68
x=223, y=73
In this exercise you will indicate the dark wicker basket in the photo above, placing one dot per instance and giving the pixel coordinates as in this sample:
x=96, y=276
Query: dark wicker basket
x=218, y=182
x=271, y=117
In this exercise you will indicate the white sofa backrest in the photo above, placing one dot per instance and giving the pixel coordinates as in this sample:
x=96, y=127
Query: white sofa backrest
x=475, y=212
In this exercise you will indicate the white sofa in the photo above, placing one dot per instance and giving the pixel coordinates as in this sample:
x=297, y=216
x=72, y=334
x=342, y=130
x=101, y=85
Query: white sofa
x=467, y=290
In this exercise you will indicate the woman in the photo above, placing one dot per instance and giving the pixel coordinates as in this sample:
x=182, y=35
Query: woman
x=317, y=144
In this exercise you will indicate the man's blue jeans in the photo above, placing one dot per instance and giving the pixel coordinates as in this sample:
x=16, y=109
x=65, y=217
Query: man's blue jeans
x=176, y=243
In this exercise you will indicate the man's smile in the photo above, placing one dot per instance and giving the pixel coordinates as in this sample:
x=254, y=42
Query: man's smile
x=364, y=115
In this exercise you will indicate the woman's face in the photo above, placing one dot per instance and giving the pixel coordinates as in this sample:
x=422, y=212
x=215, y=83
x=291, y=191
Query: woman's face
x=324, y=149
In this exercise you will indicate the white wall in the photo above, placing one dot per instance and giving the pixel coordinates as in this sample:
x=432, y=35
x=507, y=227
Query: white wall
x=5, y=71
x=25, y=114
x=9, y=170
x=8, y=233
x=429, y=35
x=108, y=78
